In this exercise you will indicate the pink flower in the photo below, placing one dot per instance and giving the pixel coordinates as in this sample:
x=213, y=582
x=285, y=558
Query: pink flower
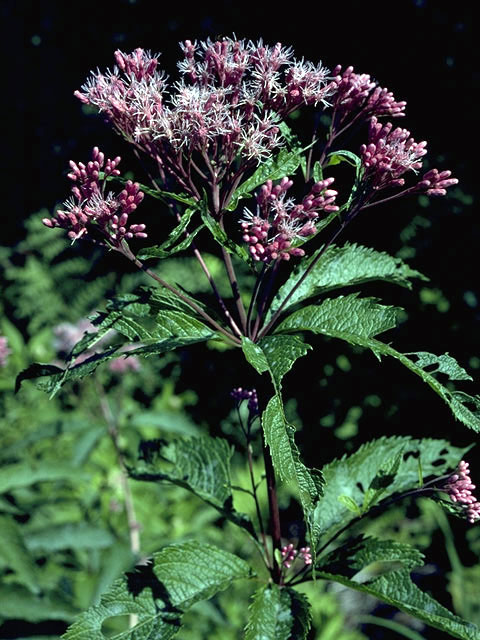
x=460, y=489
x=279, y=221
x=90, y=206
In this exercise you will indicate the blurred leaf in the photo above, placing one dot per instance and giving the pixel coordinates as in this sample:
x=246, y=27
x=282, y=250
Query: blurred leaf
x=18, y=603
x=69, y=536
x=24, y=474
x=16, y=555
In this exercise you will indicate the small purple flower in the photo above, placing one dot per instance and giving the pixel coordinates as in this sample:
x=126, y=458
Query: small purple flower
x=4, y=351
x=91, y=206
x=460, y=489
x=279, y=220
x=239, y=394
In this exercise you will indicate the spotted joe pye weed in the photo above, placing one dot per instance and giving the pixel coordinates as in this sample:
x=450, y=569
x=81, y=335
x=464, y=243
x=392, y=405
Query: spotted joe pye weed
x=218, y=152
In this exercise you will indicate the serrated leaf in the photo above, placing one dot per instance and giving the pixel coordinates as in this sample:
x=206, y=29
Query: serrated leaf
x=347, y=317
x=277, y=356
x=143, y=317
x=159, y=593
x=358, y=320
x=395, y=587
x=284, y=164
x=278, y=614
x=200, y=465
x=16, y=555
x=69, y=536
x=354, y=475
x=345, y=266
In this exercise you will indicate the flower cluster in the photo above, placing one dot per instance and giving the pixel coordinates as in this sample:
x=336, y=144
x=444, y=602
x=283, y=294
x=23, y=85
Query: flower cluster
x=278, y=221
x=227, y=104
x=4, y=351
x=460, y=487
x=90, y=206
x=357, y=95
x=290, y=554
x=390, y=153
x=239, y=394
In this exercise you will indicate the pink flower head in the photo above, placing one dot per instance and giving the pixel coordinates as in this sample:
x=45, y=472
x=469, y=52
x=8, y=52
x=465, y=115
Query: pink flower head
x=4, y=351
x=290, y=554
x=358, y=95
x=389, y=154
x=460, y=489
x=90, y=206
x=279, y=220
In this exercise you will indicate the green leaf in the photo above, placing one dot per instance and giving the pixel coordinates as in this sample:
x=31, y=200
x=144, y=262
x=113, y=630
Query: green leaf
x=16, y=555
x=351, y=505
x=284, y=164
x=220, y=235
x=356, y=475
x=277, y=356
x=200, y=465
x=343, y=156
x=358, y=320
x=168, y=247
x=359, y=566
x=347, y=317
x=382, y=480
x=69, y=536
x=159, y=324
x=158, y=194
x=159, y=593
x=24, y=474
x=347, y=266
x=278, y=614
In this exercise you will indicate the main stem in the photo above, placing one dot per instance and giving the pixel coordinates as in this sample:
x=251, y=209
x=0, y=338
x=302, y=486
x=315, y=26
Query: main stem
x=274, y=512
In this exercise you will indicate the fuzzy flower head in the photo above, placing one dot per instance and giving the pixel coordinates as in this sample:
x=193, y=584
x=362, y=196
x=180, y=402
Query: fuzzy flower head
x=91, y=206
x=279, y=221
x=226, y=105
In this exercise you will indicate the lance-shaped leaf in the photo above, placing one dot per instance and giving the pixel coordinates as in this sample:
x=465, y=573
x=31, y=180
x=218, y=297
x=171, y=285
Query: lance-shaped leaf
x=284, y=164
x=278, y=614
x=158, y=594
x=276, y=354
x=379, y=469
x=200, y=465
x=158, y=194
x=358, y=320
x=382, y=569
x=350, y=265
